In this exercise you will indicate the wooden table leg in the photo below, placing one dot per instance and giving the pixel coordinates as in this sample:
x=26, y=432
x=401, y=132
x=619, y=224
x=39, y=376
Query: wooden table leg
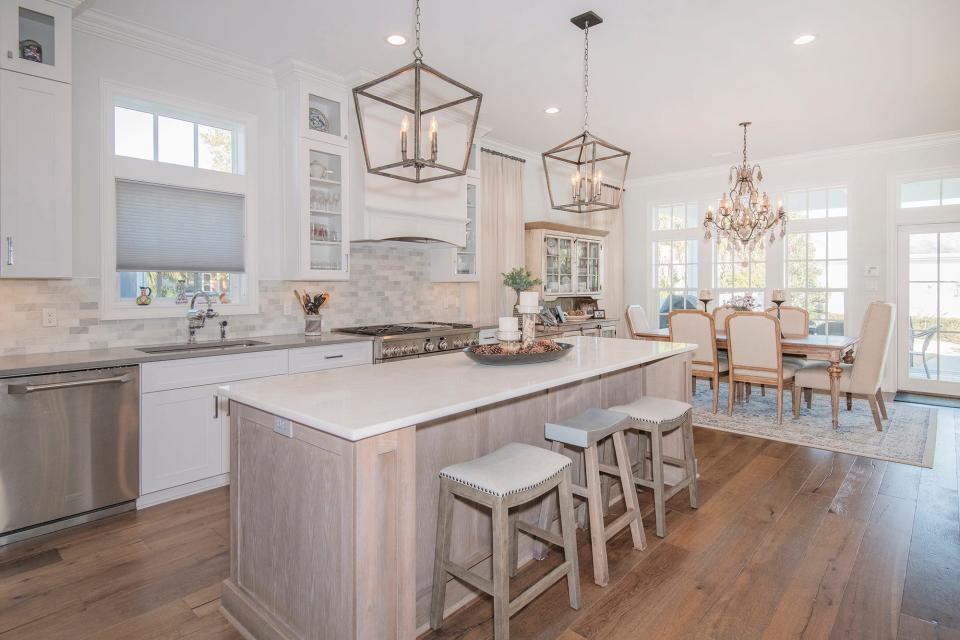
x=834, y=370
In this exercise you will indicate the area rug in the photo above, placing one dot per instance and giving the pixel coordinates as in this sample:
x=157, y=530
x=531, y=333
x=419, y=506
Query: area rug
x=908, y=437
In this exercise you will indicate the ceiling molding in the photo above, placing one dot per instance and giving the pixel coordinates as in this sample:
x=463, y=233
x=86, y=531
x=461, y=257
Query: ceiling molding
x=897, y=144
x=97, y=23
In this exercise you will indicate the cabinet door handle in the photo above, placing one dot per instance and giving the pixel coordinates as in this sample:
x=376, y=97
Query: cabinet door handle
x=9, y=250
x=339, y=355
x=216, y=407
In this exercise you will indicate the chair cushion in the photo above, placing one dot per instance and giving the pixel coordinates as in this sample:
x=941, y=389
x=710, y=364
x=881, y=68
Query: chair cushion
x=587, y=428
x=795, y=361
x=789, y=370
x=655, y=410
x=815, y=376
x=510, y=469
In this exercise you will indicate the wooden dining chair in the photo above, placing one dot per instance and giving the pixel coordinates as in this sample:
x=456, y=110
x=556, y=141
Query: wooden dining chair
x=696, y=327
x=862, y=378
x=720, y=315
x=794, y=323
x=755, y=355
x=636, y=319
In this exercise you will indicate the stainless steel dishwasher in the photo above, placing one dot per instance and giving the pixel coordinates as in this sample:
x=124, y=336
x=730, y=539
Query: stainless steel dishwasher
x=69, y=449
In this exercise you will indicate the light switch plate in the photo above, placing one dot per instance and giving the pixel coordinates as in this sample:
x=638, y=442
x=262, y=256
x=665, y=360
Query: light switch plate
x=283, y=427
x=48, y=317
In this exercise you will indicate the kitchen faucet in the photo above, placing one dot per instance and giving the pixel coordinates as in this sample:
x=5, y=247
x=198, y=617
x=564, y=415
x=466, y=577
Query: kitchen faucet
x=196, y=318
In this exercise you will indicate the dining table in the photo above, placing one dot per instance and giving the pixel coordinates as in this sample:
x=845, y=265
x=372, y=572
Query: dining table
x=833, y=349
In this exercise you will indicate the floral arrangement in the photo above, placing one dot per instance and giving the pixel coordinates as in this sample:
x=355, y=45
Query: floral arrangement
x=746, y=302
x=520, y=279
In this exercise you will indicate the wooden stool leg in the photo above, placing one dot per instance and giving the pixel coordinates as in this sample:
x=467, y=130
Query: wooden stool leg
x=441, y=555
x=598, y=542
x=512, y=519
x=656, y=445
x=606, y=456
x=629, y=491
x=540, y=548
x=569, y=539
x=580, y=510
x=690, y=462
x=642, y=446
x=501, y=572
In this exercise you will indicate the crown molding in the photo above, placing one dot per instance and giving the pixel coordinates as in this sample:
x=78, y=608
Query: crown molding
x=100, y=24
x=291, y=69
x=943, y=139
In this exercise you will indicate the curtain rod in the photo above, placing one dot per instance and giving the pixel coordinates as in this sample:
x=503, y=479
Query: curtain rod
x=498, y=153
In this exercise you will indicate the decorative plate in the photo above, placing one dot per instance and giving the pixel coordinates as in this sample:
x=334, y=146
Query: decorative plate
x=318, y=121
x=518, y=358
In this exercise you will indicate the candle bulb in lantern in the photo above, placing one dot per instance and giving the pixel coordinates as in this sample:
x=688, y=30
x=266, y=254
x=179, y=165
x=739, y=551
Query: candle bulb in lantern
x=574, y=186
x=599, y=189
x=404, y=125
x=433, y=138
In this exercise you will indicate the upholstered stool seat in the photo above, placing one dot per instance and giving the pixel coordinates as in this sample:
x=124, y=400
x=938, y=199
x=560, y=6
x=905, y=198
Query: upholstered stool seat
x=655, y=417
x=585, y=432
x=503, y=480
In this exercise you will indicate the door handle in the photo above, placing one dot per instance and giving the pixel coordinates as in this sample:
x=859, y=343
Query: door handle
x=216, y=407
x=10, y=251
x=21, y=389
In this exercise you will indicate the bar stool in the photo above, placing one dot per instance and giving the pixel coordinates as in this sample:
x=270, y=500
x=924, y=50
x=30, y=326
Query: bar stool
x=654, y=417
x=506, y=478
x=584, y=432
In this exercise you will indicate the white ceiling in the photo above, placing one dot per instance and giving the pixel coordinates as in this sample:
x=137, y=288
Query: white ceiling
x=670, y=79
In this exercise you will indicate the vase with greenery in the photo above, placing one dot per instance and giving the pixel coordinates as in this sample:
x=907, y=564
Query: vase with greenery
x=520, y=279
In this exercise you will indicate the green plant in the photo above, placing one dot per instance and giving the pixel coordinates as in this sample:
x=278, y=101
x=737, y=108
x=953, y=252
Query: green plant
x=520, y=279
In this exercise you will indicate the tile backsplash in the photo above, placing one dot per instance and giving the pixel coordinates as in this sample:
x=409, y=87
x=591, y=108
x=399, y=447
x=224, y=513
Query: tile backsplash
x=388, y=283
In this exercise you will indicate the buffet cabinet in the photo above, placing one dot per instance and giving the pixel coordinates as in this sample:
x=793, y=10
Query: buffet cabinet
x=568, y=259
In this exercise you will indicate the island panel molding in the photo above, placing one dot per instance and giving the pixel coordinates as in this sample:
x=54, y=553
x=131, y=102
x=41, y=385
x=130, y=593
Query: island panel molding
x=374, y=499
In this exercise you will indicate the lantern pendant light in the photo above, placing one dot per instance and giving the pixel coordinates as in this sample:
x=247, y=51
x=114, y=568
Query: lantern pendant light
x=585, y=173
x=409, y=101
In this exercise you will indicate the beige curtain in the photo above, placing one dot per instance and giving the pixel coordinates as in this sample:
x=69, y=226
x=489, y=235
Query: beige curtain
x=501, y=232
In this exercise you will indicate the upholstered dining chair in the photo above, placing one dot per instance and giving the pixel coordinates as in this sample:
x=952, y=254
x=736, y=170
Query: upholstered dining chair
x=696, y=327
x=755, y=356
x=636, y=319
x=862, y=378
x=795, y=323
x=720, y=315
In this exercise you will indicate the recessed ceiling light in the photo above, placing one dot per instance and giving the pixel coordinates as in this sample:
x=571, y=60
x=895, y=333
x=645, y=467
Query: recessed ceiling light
x=804, y=39
x=397, y=40
x=552, y=110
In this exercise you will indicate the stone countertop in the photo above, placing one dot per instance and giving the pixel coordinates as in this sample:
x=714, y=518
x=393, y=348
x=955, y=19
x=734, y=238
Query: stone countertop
x=365, y=401
x=39, y=363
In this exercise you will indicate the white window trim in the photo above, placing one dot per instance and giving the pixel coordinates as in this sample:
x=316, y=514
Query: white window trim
x=686, y=234
x=113, y=167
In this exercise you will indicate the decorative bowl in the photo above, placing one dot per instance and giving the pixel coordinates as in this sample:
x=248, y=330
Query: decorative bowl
x=518, y=358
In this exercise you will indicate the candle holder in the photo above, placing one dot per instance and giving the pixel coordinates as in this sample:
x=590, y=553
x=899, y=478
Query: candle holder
x=705, y=302
x=528, y=324
x=778, y=303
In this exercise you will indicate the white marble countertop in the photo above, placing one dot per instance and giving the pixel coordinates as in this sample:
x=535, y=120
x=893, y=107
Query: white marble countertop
x=360, y=402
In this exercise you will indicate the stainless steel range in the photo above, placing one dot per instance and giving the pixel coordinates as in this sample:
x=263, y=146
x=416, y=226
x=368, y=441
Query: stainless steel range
x=419, y=339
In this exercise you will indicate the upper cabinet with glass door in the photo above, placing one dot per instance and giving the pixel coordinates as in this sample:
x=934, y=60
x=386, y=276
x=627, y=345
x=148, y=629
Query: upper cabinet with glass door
x=36, y=37
x=568, y=259
x=323, y=227
x=323, y=113
x=588, y=266
x=461, y=264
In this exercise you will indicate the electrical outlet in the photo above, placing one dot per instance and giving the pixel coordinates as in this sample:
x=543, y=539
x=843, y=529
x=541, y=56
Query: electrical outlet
x=49, y=317
x=283, y=427
x=287, y=308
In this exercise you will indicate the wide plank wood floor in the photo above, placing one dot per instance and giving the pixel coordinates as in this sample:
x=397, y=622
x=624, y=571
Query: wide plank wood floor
x=788, y=542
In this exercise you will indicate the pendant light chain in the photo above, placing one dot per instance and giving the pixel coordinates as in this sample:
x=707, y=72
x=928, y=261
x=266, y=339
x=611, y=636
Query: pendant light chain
x=745, y=145
x=586, y=76
x=418, y=53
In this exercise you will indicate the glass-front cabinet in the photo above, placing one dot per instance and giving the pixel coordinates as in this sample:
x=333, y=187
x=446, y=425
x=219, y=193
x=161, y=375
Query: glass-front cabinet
x=461, y=264
x=568, y=259
x=323, y=232
x=36, y=36
x=323, y=115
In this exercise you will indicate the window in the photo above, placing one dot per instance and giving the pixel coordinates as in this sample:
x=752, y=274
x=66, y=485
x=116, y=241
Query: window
x=676, y=216
x=739, y=271
x=930, y=193
x=817, y=277
x=176, y=199
x=675, y=273
x=817, y=204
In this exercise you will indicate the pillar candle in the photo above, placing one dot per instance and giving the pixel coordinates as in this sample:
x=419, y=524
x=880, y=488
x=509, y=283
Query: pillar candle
x=529, y=299
x=706, y=294
x=779, y=295
x=511, y=323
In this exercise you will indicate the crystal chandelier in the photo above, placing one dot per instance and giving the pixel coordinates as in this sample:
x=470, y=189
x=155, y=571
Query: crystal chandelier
x=744, y=214
x=585, y=173
x=402, y=100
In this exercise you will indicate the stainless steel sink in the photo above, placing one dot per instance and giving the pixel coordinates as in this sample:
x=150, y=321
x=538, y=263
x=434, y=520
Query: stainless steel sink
x=202, y=346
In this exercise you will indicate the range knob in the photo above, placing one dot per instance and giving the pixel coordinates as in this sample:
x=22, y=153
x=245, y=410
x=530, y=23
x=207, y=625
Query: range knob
x=389, y=352
x=442, y=345
x=410, y=349
x=474, y=342
x=429, y=346
x=458, y=344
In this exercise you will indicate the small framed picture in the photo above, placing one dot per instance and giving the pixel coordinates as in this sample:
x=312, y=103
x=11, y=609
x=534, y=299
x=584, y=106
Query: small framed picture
x=600, y=314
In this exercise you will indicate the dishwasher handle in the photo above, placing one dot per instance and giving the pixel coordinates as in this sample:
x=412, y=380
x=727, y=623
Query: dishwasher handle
x=21, y=389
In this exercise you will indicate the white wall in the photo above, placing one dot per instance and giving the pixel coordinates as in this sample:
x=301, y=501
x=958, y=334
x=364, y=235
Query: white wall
x=867, y=171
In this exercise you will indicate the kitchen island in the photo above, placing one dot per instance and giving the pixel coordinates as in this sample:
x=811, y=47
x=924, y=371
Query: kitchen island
x=333, y=493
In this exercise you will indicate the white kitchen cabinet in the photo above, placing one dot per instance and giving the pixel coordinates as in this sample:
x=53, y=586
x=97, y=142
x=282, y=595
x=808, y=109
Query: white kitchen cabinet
x=569, y=260
x=35, y=177
x=333, y=356
x=316, y=108
x=461, y=264
x=181, y=437
x=36, y=38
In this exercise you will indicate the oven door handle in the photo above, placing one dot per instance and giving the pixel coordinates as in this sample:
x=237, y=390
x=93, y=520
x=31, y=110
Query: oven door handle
x=21, y=389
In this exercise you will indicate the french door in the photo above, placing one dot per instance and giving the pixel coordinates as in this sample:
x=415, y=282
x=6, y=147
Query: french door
x=929, y=309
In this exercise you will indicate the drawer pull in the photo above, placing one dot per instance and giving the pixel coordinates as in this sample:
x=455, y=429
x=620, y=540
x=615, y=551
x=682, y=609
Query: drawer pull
x=339, y=355
x=216, y=407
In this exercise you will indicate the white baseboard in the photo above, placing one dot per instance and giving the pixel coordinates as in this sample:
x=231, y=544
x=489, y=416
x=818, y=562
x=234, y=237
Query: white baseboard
x=182, y=491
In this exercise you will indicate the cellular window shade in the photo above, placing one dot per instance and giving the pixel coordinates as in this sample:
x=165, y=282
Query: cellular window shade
x=164, y=228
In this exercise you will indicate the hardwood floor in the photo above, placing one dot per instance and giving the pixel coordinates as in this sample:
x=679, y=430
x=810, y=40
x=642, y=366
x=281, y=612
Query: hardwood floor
x=788, y=542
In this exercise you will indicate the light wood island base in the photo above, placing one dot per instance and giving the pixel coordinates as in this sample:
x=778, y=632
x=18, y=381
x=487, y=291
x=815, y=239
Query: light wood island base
x=332, y=538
